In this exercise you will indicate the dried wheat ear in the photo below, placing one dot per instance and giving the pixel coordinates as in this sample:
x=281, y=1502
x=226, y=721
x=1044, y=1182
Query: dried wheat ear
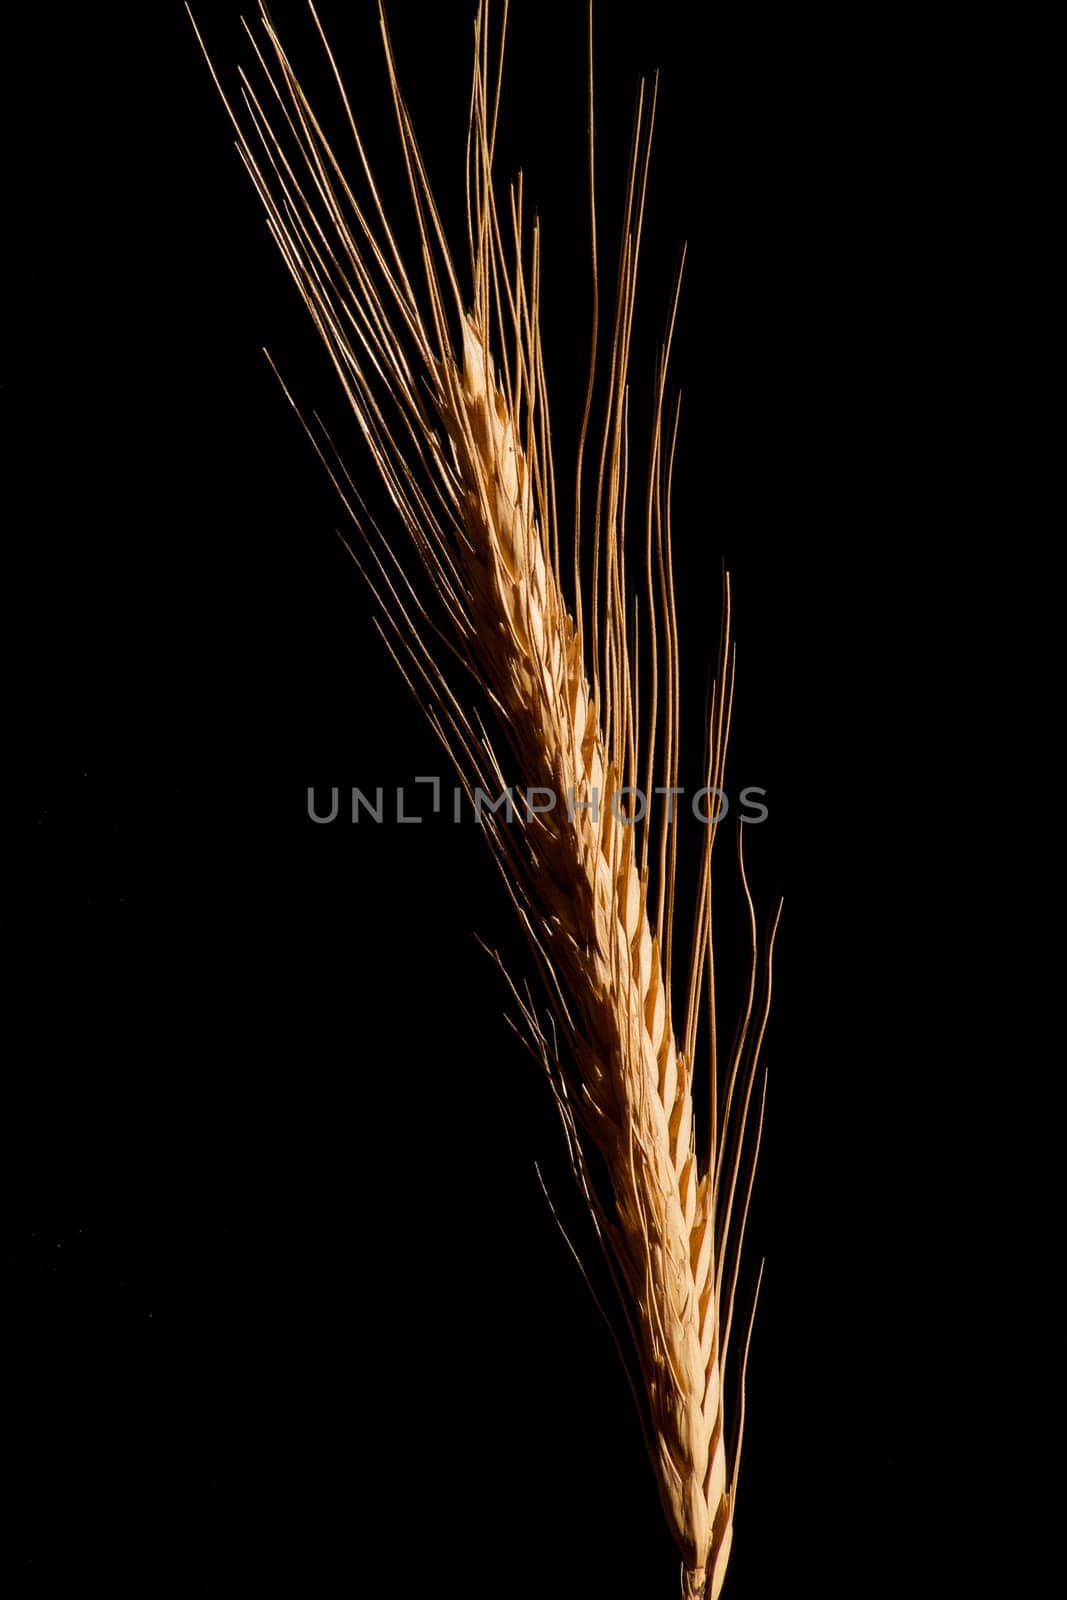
x=443, y=369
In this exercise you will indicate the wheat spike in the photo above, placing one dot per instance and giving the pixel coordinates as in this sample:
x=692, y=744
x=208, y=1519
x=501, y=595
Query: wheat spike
x=448, y=387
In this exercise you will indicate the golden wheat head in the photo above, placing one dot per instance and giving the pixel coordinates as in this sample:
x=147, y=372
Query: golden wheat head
x=442, y=365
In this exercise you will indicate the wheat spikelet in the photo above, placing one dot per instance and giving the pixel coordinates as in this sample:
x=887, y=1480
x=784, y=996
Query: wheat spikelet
x=462, y=442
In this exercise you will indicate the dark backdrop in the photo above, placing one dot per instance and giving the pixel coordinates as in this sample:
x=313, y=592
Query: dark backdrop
x=289, y=1305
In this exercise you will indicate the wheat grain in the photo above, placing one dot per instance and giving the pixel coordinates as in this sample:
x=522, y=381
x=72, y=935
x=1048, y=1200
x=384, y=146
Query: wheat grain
x=462, y=443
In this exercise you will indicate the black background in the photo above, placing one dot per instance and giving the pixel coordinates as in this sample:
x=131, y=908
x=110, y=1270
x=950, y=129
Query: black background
x=288, y=1302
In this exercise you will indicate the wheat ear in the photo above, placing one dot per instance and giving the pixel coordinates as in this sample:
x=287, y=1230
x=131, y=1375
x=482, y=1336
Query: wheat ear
x=462, y=443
